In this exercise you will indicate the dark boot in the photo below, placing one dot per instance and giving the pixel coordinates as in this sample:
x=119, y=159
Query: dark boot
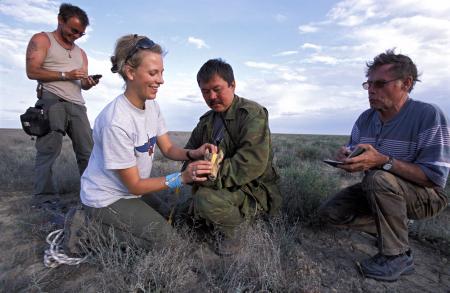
x=75, y=223
x=388, y=267
x=227, y=244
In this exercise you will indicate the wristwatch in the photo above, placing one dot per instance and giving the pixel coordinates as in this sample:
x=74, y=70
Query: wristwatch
x=388, y=165
x=63, y=75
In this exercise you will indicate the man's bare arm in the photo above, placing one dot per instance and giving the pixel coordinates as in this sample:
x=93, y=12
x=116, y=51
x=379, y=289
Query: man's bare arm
x=35, y=56
x=88, y=82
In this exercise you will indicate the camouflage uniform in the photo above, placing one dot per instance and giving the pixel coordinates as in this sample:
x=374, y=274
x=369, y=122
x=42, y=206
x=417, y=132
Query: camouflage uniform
x=246, y=181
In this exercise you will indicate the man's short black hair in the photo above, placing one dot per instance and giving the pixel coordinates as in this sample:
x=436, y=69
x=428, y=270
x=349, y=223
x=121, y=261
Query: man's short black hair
x=213, y=67
x=67, y=11
x=402, y=68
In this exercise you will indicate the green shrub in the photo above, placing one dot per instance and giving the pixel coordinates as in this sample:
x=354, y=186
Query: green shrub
x=304, y=186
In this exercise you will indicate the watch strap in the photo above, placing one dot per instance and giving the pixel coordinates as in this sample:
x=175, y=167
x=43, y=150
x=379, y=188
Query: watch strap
x=388, y=165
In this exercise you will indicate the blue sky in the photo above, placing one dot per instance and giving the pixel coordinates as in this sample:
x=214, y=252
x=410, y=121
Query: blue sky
x=303, y=60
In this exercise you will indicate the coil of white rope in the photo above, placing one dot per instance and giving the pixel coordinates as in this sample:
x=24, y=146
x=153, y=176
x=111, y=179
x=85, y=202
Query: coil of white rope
x=55, y=256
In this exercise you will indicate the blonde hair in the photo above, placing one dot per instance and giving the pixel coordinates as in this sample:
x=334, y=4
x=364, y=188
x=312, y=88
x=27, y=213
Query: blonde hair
x=124, y=46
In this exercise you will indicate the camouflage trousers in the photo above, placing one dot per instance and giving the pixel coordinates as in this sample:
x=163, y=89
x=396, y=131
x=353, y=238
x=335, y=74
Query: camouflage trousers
x=382, y=204
x=224, y=209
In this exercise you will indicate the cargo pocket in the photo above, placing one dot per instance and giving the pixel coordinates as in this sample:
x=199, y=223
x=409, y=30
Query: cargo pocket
x=50, y=143
x=428, y=206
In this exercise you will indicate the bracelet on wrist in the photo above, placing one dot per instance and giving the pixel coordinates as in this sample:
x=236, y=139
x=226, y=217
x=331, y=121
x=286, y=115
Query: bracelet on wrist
x=189, y=156
x=173, y=180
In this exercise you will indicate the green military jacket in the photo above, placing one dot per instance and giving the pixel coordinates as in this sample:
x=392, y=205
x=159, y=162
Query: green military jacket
x=247, y=148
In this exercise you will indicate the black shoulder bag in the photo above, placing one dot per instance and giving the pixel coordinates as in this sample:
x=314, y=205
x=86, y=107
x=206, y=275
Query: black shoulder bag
x=35, y=120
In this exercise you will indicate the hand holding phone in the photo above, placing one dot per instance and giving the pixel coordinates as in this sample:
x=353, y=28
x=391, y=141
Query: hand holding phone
x=333, y=162
x=96, y=77
x=356, y=152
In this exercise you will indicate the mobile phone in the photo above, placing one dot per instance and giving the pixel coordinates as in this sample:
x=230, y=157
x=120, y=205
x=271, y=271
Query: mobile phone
x=356, y=152
x=333, y=162
x=96, y=76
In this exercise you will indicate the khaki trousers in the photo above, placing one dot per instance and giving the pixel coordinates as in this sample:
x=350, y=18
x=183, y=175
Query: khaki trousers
x=382, y=204
x=133, y=216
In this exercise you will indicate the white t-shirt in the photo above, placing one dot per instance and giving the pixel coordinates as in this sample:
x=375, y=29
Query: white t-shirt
x=124, y=136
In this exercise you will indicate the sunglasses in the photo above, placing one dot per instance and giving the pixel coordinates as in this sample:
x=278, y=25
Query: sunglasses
x=378, y=84
x=144, y=43
x=74, y=31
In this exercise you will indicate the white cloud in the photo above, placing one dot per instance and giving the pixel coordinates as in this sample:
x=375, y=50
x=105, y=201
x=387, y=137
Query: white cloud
x=279, y=73
x=260, y=65
x=303, y=99
x=303, y=29
x=355, y=12
x=424, y=38
x=322, y=59
x=199, y=43
x=286, y=53
x=13, y=43
x=418, y=29
x=311, y=46
x=32, y=11
x=194, y=99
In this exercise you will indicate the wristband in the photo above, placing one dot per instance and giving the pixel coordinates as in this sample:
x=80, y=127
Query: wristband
x=174, y=180
x=189, y=156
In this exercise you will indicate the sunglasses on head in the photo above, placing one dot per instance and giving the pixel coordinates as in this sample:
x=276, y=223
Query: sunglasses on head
x=144, y=43
x=377, y=83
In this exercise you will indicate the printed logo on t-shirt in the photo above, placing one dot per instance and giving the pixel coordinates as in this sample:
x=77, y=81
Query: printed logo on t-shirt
x=147, y=147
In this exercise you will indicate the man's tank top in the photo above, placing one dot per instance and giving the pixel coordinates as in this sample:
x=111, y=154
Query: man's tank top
x=61, y=59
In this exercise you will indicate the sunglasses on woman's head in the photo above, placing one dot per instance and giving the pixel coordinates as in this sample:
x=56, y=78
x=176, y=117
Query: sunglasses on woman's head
x=144, y=43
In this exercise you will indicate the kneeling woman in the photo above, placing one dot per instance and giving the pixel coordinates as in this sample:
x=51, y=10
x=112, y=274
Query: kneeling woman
x=125, y=134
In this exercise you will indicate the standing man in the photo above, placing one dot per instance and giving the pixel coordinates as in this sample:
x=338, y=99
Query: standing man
x=61, y=69
x=245, y=184
x=406, y=163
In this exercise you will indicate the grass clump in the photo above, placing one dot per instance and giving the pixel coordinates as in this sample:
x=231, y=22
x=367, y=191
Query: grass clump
x=126, y=265
x=304, y=186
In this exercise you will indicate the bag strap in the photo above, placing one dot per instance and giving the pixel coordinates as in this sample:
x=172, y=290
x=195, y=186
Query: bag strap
x=228, y=130
x=39, y=89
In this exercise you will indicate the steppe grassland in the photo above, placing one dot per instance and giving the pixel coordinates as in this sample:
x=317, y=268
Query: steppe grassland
x=270, y=259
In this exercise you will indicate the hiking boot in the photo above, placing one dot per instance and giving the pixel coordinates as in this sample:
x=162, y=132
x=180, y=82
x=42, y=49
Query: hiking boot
x=75, y=222
x=47, y=204
x=225, y=245
x=388, y=267
x=57, y=219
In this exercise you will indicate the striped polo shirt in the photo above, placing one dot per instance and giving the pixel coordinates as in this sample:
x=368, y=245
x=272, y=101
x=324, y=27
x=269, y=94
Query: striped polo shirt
x=418, y=134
